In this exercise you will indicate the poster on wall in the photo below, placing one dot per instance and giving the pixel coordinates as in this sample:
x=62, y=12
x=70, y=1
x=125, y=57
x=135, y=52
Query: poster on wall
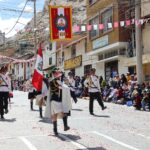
x=60, y=18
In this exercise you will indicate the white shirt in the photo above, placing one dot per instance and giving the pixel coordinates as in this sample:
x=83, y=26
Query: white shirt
x=93, y=85
x=71, y=83
x=5, y=83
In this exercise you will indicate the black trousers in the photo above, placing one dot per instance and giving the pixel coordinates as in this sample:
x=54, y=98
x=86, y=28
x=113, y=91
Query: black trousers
x=73, y=96
x=3, y=102
x=97, y=96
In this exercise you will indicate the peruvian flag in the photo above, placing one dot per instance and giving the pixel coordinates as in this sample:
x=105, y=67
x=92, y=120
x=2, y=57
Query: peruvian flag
x=60, y=22
x=38, y=72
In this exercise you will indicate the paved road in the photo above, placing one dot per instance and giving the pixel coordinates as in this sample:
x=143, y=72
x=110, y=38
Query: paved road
x=116, y=128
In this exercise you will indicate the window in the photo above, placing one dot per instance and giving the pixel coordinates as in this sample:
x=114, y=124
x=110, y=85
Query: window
x=94, y=32
x=63, y=56
x=87, y=69
x=73, y=50
x=100, y=57
x=50, y=60
x=92, y=2
x=107, y=17
x=111, y=54
x=50, y=46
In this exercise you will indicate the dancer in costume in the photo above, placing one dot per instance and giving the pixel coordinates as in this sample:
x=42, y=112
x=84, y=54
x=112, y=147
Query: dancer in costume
x=60, y=101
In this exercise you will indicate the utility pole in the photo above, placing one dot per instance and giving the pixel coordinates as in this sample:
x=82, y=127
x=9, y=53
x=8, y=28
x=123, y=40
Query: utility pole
x=138, y=34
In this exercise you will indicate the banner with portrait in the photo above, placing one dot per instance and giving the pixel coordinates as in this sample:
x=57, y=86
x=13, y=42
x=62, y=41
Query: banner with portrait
x=60, y=22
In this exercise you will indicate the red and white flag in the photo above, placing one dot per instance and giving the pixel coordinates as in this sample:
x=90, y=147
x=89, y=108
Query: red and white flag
x=38, y=71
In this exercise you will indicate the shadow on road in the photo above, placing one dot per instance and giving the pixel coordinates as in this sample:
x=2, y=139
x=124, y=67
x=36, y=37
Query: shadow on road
x=94, y=148
x=69, y=136
x=9, y=120
x=45, y=120
x=77, y=109
x=35, y=110
x=102, y=116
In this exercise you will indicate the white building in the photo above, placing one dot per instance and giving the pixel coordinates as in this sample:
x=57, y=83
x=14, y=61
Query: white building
x=72, y=56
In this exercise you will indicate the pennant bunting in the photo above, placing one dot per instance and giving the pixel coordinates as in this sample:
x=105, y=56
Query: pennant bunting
x=77, y=28
x=83, y=28
x=128, y=22
x=122, y=23
x=109, y=25
x=116, y=24
x=89, y=27
x=95, y=27
x=101, y=26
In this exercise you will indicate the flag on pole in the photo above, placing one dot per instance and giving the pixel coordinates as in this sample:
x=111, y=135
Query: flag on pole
x=60, y=22
x=37, y=78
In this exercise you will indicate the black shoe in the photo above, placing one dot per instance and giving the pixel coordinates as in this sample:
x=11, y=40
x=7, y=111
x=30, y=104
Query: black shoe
x=2, y=117
x=104, y=107
x=6, y=111
x=56, y=133
x=92, y=113
x=66, y=128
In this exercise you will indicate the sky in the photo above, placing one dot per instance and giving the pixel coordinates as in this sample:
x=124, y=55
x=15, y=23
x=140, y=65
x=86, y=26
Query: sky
x=8, y=18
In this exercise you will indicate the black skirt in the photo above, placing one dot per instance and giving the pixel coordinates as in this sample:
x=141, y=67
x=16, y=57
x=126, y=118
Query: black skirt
x=31, y=95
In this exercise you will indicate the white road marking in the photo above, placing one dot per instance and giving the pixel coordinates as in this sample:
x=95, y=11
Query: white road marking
x=5, y=138
x=115, y=141
x=74, y=143
x=143, y=136
x=28, y=143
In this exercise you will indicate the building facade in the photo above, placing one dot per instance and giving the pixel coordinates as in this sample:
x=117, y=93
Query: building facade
x=109, y=45
x=73, y=57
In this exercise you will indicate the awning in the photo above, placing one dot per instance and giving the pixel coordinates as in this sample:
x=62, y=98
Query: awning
x=115, y=46
x=132, y=61
x=109, y=59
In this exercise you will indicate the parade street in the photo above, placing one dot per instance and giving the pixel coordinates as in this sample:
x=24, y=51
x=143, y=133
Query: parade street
x=116, y=128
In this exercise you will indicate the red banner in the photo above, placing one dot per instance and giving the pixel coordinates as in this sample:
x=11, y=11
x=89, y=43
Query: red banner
x=60, y=23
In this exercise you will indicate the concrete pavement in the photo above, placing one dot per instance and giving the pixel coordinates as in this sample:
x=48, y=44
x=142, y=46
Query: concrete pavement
x=116, y=128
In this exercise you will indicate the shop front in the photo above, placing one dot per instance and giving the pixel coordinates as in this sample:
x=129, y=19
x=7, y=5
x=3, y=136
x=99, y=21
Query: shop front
x=74, y=65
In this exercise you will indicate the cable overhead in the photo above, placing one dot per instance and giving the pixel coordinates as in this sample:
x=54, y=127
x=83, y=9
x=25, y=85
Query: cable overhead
x=18, y=18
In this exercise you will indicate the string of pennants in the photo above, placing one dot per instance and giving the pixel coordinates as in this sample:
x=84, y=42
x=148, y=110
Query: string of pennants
x=116, y=24
x=18, y=60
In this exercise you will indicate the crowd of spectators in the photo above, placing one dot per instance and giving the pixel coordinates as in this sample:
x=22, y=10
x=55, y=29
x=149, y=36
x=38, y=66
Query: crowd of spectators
x=120, y=90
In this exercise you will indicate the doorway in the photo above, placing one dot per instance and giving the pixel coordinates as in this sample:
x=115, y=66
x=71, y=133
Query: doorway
x=111, y=69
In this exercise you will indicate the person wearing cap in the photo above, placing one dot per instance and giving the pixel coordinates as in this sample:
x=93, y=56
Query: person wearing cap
x=5, y=88
x=58, y=106
x=94, y=90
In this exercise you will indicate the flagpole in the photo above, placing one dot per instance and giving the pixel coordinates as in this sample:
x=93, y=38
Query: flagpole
x=61, y=55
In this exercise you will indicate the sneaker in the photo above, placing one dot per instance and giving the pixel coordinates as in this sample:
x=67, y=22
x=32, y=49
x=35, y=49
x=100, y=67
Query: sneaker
x=104, y=107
